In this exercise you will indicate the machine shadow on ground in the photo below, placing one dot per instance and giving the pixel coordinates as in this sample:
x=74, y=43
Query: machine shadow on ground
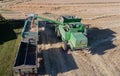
x=100, y=40
x=7, y=30
x=55, y=61
x=16, y=23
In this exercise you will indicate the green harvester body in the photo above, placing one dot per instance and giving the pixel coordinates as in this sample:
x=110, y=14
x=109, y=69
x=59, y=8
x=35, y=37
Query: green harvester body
x=71, y=31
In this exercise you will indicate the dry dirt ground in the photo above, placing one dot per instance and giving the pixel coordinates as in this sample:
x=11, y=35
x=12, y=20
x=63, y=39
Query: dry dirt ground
x=104, y=20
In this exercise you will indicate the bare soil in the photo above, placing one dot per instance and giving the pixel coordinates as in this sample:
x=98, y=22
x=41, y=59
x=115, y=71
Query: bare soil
x=104, y=21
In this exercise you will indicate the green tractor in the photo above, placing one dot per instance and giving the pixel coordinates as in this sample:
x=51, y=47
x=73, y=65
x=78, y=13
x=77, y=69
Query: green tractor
x=72, y=32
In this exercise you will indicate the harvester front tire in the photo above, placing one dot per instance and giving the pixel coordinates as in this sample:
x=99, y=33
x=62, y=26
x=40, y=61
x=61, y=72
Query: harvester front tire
x=58, y=33
x=64, y=46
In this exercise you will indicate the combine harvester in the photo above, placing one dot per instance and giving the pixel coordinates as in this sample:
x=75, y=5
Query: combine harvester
x=26, y=58
x=72, y=32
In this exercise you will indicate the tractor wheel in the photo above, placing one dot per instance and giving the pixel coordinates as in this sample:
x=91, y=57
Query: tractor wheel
x=64, y=46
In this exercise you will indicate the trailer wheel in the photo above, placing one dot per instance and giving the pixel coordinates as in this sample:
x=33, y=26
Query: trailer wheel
x=64, y=46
